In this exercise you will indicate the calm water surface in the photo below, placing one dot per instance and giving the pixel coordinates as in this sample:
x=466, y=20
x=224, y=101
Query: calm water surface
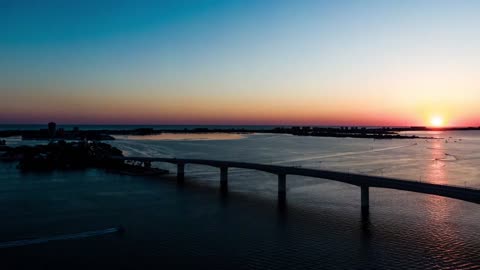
x=193, y=226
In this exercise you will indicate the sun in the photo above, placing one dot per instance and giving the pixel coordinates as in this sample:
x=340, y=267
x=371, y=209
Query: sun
x=436, y=121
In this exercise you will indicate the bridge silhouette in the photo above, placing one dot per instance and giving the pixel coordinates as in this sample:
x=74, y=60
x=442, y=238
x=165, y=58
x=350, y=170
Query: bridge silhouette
x=365, y=182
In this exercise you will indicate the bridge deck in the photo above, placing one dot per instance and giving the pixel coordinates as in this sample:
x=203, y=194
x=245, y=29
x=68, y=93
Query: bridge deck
x=461, y=193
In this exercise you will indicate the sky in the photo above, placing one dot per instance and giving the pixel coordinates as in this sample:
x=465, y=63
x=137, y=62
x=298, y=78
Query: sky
x=395, y=63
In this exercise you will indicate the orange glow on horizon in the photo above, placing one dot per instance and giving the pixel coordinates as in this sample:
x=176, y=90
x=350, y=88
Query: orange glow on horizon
x=128, y=108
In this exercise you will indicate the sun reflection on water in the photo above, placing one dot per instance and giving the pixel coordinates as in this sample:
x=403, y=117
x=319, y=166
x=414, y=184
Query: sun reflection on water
x=443, y=238
x=435, y=171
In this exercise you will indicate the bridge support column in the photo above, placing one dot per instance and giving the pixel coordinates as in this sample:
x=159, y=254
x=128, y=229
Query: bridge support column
x=365, y=198
x=282, y=187
x=180, y=172
x=224, y=179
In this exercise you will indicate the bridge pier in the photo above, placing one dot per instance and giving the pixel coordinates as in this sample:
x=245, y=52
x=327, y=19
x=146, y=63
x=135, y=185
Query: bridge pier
x=365, y=198
x=282, y=187
x=224, y=179
x=180, y=172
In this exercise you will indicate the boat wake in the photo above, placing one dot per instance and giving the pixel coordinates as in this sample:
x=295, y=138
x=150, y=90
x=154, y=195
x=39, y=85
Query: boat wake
x=27, y=242
x=344, y=154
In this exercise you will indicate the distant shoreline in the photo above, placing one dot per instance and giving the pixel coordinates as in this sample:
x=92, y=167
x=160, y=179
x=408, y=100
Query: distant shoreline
x=32, y=127
x=338, y=132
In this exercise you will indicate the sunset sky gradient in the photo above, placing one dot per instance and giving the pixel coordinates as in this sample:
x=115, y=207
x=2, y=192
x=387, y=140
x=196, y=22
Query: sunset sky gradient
x=396, y=63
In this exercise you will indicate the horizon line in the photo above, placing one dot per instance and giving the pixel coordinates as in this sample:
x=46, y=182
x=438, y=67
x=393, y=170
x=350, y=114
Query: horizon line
x=240, y=125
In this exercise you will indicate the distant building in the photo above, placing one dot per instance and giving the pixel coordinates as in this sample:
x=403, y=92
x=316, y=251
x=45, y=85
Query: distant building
x=52, y=128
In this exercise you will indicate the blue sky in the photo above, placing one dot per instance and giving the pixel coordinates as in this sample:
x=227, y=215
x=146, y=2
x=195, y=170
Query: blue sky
x=248, y=61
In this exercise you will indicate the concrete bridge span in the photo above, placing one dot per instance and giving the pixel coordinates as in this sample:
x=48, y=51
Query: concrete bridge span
x=363, y=181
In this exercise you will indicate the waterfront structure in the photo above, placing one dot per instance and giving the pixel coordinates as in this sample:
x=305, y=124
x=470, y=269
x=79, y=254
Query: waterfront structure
x=365, y=182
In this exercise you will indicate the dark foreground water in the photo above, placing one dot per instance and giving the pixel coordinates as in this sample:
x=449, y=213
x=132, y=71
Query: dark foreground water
x=194, y=227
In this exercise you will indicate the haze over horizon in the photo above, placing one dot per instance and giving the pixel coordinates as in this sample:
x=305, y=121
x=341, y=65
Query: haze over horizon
x=370, y=63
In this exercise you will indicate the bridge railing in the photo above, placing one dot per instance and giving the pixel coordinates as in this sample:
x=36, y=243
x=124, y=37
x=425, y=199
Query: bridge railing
x=362, y=180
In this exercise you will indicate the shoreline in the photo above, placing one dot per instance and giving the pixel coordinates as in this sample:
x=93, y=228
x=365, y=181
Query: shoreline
x=336, y=132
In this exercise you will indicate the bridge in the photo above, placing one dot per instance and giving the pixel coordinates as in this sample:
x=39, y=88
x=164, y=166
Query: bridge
x=363, y=181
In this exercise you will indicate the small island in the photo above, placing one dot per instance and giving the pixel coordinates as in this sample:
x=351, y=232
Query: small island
x=62, y=155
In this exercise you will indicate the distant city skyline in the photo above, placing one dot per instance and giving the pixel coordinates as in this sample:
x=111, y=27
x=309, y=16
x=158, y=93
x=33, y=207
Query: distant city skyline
x=365, y=63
